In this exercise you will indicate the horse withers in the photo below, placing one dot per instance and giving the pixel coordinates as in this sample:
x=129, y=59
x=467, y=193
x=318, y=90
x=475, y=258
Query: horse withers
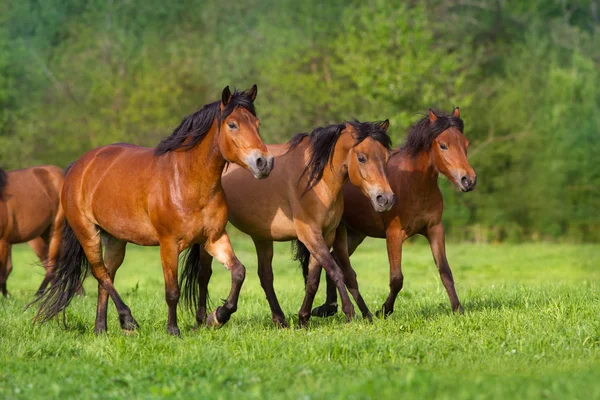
x=169, y=196
x=435, y=145
x=302, y=200
x=30, y=211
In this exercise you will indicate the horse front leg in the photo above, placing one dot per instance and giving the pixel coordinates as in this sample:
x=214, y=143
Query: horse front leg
x=394, y=237
x=353, y=240
x=169, y=255
x=221, y=249
x=318, y=246
x=437, y=240
x=341, y=255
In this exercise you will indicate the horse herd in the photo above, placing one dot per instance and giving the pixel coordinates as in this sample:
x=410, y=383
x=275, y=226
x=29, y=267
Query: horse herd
x=326, y=191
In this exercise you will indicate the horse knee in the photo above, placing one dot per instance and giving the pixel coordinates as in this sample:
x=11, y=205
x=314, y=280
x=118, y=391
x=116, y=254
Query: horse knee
x=396, y=281
x=238, y=274
x=172, y=296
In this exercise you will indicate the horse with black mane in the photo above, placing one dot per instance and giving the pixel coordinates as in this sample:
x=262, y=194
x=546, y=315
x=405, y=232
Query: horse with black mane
x=169, y=196
x=305, y=203
x=30, y=211
x=435, y=144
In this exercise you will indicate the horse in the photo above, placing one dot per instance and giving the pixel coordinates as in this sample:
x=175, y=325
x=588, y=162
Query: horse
x=30, y=211
x=169, y=196
x=435, y=144
x=305, y=204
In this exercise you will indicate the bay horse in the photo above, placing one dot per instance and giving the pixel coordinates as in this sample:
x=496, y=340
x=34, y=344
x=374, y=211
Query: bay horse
x=169, y=196
x=305, y=203
x=30, y=211
x=435, y=144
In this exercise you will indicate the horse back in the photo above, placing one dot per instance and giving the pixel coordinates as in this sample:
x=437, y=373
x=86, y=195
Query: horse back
x=110, y=186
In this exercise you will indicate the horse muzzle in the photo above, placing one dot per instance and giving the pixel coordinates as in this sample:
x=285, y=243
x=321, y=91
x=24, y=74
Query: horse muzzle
x=467, y=183
x=383, y=201
x=260, y=164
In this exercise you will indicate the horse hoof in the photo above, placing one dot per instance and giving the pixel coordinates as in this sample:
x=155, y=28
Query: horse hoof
x=368, y=317
x=100, y=330
x=350, y=314
x=174, y=331
x=325, y=310
x=280, y=323
x=129, y=324
x=212, y=321
x=459, y=310
x=383, y=313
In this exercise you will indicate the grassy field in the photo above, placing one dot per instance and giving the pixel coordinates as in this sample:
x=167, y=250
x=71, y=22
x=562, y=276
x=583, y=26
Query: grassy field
x=531, y=330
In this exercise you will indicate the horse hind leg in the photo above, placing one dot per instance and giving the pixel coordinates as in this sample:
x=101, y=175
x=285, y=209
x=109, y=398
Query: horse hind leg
x=264, y=252
x=39, y=246
x=204, y=278
x=114, y=254
x=5, y=265
x=89, y=238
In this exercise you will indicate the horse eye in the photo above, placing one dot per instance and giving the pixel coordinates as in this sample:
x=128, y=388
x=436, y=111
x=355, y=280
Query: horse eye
x=232, y=125
x=362, y=159
x=443, y=146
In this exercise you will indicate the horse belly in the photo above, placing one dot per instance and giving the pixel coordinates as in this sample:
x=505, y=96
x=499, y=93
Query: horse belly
x=279, y=226
x=30, y=218
x=126, y=223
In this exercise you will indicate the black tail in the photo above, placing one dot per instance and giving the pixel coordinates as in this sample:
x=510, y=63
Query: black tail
x=301, y=254
x=71, y=270
x=189, y=282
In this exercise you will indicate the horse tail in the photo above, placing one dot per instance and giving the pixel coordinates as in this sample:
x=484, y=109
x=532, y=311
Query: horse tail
x=71, y=270
x=301, y=254
x=189, y=281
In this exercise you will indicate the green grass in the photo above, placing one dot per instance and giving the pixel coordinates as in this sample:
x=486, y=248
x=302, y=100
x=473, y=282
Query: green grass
x=531, y=330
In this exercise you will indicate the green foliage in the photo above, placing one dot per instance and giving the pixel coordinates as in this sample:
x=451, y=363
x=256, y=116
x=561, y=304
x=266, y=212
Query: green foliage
x=78, y=74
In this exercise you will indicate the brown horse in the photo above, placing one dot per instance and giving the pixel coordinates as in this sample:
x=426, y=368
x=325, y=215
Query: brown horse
x=170, y=196
x=305, y=203
x=436, y=144
x=30, y=211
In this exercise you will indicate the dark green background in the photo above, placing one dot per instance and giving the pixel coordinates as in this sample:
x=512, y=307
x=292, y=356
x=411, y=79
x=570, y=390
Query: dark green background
x=78, y=74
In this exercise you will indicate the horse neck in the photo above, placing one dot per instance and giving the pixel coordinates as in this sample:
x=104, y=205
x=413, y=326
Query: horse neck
x=420, y=170
x=335, y=174
x=201, y=165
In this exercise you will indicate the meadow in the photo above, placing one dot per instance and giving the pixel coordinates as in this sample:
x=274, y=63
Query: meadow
x=531, y=330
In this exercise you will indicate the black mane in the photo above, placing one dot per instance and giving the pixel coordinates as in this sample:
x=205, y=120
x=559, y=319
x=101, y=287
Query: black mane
x=423, y=133
x=322, y=144
x=3, y=182
x=195, y=126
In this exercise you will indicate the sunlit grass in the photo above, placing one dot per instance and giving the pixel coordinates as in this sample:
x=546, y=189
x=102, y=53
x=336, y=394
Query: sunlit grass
x=531, y=329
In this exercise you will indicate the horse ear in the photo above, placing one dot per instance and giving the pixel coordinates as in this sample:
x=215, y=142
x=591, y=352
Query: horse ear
x=456, y=112
x=226, y=96
x=252, y=93
x=432, y=116
x=385, y=125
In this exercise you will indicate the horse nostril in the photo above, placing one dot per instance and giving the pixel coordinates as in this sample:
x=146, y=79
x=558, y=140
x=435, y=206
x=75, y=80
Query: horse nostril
x=381, y=200
x=261, y=163
x=465, y=181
